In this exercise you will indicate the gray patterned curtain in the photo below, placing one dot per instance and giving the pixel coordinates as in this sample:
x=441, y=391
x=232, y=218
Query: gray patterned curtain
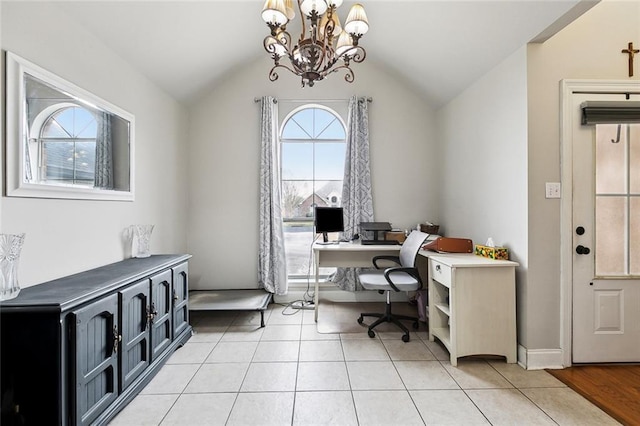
x=272, y=264
x=357, y=200
x=104, y=153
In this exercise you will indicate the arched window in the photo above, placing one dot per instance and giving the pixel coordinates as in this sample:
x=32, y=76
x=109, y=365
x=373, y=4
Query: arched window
x=67, y=140
x=313, y=148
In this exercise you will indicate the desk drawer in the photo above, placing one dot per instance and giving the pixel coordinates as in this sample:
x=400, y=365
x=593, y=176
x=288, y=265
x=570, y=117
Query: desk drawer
x=440, y=272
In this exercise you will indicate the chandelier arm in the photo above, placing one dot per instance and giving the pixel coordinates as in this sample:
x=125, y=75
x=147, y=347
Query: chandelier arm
x=269, y=44
x=349, y=76
x=329, y=28
x=359, y=54
x=304, y=24
x=273, y=75
x=330, y=63
x=327, y=50
x=287, y=40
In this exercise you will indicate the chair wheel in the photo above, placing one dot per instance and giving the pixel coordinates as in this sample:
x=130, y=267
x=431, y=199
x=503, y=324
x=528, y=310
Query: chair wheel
x=405, y=338
x=416, y=325
x=360, y=320
x=371, y=334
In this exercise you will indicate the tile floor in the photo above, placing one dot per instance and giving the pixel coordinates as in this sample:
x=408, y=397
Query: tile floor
x=232, y=372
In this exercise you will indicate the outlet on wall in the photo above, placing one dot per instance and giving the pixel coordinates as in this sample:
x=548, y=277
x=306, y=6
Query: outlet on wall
x=552, y=190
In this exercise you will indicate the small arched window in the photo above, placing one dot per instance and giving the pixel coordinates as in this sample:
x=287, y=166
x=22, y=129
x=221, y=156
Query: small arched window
x=68, y=146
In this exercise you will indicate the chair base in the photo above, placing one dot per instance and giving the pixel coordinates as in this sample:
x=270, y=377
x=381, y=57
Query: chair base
x=389, y=317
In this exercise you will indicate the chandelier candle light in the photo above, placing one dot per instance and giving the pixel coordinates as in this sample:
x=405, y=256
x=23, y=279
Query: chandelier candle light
x=323, y=48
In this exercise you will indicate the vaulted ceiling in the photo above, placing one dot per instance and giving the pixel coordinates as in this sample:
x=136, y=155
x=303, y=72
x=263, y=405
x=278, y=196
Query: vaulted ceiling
x=439, y=46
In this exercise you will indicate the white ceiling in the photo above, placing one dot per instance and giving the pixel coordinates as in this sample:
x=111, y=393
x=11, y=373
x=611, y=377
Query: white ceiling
x=438, y=46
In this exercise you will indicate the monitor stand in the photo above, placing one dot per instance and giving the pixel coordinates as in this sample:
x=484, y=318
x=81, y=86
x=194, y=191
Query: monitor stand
x=325, y=240
x=376, y=227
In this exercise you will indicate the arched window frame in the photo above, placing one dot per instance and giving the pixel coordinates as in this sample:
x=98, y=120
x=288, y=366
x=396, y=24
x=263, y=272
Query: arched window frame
x=35, y=144
x=306, y=211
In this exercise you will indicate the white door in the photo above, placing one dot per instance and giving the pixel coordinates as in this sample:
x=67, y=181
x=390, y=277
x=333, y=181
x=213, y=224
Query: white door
x=606, y=239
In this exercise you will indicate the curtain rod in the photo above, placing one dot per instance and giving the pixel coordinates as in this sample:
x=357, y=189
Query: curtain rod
x=276, y=100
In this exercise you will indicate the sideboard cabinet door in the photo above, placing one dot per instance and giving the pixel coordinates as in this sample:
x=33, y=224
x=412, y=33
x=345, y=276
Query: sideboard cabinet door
x=97, y=340
x=161, y=324
x=135, y=302
x=180, y=298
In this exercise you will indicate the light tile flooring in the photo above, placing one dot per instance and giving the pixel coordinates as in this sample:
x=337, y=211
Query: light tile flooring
x=232, y=372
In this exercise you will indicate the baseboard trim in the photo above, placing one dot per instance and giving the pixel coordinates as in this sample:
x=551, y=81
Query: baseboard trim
x=336, y=295
x=539, y=359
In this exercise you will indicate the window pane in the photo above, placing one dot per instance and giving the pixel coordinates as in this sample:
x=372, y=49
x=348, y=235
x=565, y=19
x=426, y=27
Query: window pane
x=329, y=193
x=297, y=160
x=88, y=129
x=333, y=131
x=298, y=237
x=610, y=235
x=59, y=158
x=296, y=199
x=322, y=120
x=69, y=146
x=85, y=160
x=300, y=126
x=293, y=130
x=54, y=130
x=329, y=160
x=611, y=159
x=634, y=237
x=634, y=156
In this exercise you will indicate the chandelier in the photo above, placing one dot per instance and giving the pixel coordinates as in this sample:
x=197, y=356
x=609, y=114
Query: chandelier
x=324, y=46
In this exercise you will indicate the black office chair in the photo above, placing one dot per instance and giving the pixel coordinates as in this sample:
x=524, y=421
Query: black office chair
x=404, y=277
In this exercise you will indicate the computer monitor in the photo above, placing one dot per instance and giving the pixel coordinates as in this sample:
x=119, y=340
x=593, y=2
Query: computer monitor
x=328, y=219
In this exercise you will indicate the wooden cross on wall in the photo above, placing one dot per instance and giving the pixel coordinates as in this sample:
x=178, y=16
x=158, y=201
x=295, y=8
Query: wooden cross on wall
x=631, y=52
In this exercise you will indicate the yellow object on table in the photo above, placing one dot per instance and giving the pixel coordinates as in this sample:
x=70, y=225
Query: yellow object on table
x=500, y=253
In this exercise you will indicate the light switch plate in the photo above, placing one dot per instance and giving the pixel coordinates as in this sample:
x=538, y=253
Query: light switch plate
x=552, y=190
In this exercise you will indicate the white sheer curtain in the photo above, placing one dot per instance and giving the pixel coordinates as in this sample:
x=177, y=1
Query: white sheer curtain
x=357, y=200
x=272, y=264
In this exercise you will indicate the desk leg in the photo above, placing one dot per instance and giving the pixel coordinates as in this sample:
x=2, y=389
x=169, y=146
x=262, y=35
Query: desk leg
x=316, y=293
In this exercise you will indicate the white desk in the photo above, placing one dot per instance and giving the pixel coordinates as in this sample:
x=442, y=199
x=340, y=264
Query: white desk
x=346, y=255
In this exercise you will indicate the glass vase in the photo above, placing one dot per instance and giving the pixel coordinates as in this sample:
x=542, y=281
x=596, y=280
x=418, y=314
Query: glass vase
x=10, y=247
x=141, y=243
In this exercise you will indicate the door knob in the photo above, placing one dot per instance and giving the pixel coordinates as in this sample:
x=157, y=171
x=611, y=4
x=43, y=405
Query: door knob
x=583, y=250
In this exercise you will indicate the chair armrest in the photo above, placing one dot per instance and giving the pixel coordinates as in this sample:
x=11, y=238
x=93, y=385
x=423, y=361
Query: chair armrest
x=410, y=271
x=395, y=259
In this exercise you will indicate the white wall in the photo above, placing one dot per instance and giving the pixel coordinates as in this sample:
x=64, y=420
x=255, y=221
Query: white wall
x=587, y=49
x=482, y=136
x=224, y=162
x=67, y=236
x=500, y=144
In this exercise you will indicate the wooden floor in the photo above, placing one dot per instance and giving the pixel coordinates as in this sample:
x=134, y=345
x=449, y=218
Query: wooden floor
x=613, y=388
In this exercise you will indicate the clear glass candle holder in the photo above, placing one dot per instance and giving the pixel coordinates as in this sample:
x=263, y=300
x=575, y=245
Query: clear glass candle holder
x=10, y=247
x=141, y=241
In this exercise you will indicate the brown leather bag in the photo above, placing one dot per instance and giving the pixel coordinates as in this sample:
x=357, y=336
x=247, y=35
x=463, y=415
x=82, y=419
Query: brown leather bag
x=450, y=245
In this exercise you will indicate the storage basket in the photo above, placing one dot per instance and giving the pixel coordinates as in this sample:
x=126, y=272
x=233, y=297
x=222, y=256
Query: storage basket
x=429, y=229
